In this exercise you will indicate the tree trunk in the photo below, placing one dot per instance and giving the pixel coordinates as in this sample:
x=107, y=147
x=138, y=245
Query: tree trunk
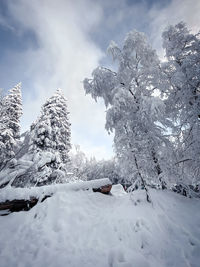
x=142, y=180
x=158, y=169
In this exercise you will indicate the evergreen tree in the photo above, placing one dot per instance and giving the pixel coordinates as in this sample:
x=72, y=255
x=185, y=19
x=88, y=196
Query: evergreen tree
x=50, y=139
x=10, y=113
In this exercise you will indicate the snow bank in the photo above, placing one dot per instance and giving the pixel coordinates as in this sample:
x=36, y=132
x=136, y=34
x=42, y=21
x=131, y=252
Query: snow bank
x=10, y=193
x=83, y=229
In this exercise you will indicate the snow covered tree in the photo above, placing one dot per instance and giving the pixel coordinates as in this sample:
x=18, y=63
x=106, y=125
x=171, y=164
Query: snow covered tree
x=79, y=163
x=10, y=113
x=103, y=169
x=182, y=71
x=134, y=113
x=90, y=169
x=50, y=139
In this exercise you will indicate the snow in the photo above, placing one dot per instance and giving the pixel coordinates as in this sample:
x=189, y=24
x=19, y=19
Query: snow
x=11, y=193
x=82, y=228
x=118, y=190
x=47, y=157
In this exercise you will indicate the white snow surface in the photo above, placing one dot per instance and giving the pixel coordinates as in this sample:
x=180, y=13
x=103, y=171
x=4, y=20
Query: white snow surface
x=11, y=193
x=87, y=229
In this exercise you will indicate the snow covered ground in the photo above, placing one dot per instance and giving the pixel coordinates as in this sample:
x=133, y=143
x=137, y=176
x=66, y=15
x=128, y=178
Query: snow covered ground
x=86, y=229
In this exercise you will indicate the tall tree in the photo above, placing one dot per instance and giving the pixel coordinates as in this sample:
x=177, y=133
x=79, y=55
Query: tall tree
x=10, y=113
x=133, y=112
x=182, y=71
x=50, y=138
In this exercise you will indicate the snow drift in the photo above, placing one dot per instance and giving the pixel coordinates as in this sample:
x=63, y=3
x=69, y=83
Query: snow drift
x=86, y=229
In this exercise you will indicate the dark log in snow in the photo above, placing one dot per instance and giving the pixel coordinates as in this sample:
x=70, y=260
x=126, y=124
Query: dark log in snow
x=19, y=204
x=29, y=197
x=103, y=189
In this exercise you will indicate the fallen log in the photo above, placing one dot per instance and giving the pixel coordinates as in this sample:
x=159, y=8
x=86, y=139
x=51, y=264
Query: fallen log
x=33, y=195
x=19, y=204
x=103, y=189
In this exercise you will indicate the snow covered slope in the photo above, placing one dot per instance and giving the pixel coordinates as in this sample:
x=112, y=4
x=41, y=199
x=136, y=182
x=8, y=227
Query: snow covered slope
x=86, y=229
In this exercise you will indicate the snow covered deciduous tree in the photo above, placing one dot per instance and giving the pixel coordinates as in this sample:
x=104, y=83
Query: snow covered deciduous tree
x=10, y=113
x=134, y=113
x=182, y=71
x=103, y=169
x=79, y=163
x=50, y=140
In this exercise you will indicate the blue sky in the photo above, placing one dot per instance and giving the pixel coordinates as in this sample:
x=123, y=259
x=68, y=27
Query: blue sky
x=47, y=44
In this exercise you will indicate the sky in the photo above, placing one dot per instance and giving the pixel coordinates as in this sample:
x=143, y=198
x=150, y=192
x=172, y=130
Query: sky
x=48, y=44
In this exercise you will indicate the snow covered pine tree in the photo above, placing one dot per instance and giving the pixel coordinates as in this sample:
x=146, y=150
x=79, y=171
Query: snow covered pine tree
x=133, y=111
x=10, y=113
x=50, y=141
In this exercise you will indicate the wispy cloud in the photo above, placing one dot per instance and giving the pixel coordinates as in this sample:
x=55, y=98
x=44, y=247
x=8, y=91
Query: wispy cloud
x=71, y=38
x=176, y=11
x=64, y=57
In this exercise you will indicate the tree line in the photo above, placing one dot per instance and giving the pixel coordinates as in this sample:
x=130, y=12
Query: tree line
x=152, y=106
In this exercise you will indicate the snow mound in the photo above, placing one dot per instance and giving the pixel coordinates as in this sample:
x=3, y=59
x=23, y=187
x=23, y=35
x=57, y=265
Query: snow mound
x=118, y=190
x=86, y=229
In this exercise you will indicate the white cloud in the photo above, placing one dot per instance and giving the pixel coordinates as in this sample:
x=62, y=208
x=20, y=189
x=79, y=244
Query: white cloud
x=66, y=54
x=176, y=11
x=64, y=58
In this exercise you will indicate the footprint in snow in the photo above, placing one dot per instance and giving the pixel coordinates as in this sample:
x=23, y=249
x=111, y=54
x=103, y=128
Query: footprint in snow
x=117, y=258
